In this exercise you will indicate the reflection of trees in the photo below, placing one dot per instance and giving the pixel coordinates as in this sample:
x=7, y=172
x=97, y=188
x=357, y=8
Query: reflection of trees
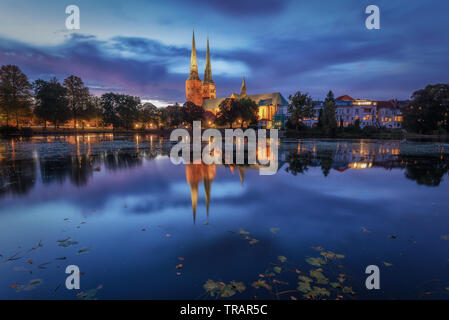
x=81, y=170
x=326, y=162
x=55, y=169
x=299, y=163
x=17, y=176
x=122, y=159
x=427, y=171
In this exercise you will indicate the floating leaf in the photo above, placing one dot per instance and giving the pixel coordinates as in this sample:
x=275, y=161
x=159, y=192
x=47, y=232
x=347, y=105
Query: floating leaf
x=33, y=284
x=335, y=285
x=445, y=237
x=282, y=259
x=211, y=287
x=243, y=232
x=227, y=291
x=318, y=248
x=277, y=269
x=261, y=283
x=319, y=276
x=304, y=286
x=317, y=262
x=253, y=241
x=239, y=286
x=317, y=292
x=88, y=295
x=387, y=264
x=274, y=230
x=15, y=285
x=305, y=279
x=223, y=290
x=83, y=250
x=179, y=266
x=348, y=290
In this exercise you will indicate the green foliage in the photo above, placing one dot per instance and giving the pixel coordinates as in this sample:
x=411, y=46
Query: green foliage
x=191, y=112
x=429, y=109
x=15, y=93
x=77, y=96
x=149, y=113
x=227, y=114
x=328, y=120
x=300, y=107
x=243, y=111
x=248, y=111
x=120, y=110
x=51, y=103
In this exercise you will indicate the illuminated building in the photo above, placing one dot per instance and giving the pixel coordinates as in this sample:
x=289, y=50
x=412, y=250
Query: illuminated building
x=389, y=114
x=203, y=93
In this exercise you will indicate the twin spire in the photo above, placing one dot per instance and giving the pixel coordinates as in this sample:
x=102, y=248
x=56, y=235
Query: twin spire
x=194, y=64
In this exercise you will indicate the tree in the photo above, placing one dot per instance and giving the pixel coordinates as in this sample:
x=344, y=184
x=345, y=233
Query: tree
x=51, y=102
x=149, y=113
x=15, y=93
x=191, y=112
x=429, y=109
x=300, y=107
x=227, y=113
x=247, y=111
x=77, y=96
x=171, y=116
x=329, y=122
x=120, y=110
x=92, y=110
x=232, y=110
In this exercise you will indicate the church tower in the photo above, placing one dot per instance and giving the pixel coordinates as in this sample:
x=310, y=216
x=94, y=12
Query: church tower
x=209, y=89
x=243, y=89
x=194, y=86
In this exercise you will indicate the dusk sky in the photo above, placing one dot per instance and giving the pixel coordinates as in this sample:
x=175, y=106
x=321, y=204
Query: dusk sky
x=142, y=47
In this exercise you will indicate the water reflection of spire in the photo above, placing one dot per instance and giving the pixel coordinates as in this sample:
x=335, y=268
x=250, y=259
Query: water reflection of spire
x=195, y=173
x=241, y=174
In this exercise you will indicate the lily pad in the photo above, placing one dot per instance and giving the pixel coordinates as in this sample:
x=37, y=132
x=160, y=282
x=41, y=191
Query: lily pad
x=261, y=284
x=282, y=259
x=317, y=262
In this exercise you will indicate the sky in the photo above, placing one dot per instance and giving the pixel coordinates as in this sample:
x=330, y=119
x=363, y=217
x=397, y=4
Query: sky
x=142, y=47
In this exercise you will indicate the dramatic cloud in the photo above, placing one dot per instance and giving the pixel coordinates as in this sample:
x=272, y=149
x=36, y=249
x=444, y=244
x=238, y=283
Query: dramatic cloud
x=278, y=45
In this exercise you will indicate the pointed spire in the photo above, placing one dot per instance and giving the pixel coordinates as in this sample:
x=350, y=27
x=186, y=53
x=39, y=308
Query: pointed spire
x=208, y=69
x=193, y=62
x=243, y=88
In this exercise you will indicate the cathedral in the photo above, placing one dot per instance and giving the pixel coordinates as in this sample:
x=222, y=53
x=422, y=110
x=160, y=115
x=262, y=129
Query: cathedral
x=204, y=93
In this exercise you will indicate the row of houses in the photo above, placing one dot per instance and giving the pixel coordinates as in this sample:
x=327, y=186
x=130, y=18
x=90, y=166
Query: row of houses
x=348, y=110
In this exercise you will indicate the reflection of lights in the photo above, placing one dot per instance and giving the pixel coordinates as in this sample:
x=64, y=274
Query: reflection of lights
x=360, y=165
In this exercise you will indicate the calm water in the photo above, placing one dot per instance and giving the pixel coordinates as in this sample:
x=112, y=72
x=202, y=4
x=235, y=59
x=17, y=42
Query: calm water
x=140, y=227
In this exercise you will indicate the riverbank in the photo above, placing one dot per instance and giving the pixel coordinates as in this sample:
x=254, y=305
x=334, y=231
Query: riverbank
x=283, y=134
